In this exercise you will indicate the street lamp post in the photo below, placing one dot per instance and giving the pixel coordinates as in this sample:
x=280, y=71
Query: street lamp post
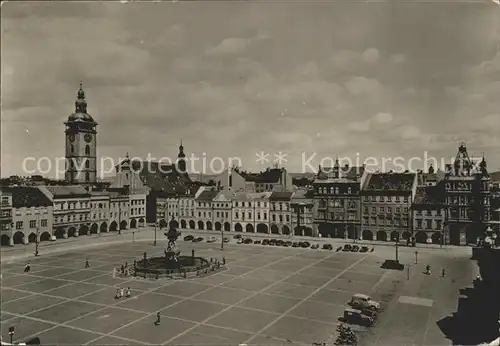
x=397, y=248
x=37, y=241
x=155, y=235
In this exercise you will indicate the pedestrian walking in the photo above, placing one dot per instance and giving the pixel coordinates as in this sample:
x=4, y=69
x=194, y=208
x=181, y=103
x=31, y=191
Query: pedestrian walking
x=157, y=322
x=27, y=267
x=127, y=292
x=428, y=269
x=443, y=273
x=87, y=265
x=122, y=269
x=121, y=292
x=117, y=296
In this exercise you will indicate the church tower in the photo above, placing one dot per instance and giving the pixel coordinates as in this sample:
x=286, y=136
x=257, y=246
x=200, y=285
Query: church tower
x=181, y=159
x=81, y=146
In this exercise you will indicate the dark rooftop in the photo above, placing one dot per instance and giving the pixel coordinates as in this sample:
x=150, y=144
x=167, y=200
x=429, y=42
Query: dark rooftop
x=346, y=172
x=281, y=196
x=269, y=176
x=207, y=195
x=390, y=182
x=161, y=177
x=27, y=196
x=429, y=195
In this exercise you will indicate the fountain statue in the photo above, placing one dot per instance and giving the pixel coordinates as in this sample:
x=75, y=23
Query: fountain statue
x=171, y=251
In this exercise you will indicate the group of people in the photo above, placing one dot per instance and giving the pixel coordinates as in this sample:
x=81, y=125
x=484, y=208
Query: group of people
x=428, y=271
x=120, y=293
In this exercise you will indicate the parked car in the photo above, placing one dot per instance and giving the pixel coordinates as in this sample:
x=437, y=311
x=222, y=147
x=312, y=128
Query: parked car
x=197, y=240
x=355, y=248
x=188, y=238
x=363, y=302
x=257, y=242
x=281, y=243
x=289, y=243
x=225, y=240
x=272, y=242
x=265, y=242
x=327, y=247
x=357, y=317
x=315, y=246
x=306, y=244
x=247, y=241
x=295, y=244
x=237, y=236
x=364, y=249
x=240, y=241
x=347, y=247
x=211, y=240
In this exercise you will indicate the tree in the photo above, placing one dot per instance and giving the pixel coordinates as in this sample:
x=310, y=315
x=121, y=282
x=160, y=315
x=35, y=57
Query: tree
x=346, y=336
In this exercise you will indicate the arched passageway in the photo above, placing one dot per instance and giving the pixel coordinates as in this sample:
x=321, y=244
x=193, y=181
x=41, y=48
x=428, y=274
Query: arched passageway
x=367, y=235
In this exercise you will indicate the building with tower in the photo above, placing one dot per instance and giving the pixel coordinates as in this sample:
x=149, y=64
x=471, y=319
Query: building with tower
x=81, y=145
x=467, y=198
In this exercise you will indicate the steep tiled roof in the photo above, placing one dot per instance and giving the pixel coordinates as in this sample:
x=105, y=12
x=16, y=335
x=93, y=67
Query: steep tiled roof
x=162, y=177
x=68, y=191
x=259, y=195
x=240, y=196
x=27, y=196
x=281, y=196
x=390, y=182
x=346, y=172
x=269, y=176
x=207, y=195
x=303, y=193
x=429, y=195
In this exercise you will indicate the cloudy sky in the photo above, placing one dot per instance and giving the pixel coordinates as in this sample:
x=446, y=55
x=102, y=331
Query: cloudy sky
x=382, y=79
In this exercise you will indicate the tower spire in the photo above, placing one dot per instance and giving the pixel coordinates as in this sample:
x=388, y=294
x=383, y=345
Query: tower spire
x=80, y=103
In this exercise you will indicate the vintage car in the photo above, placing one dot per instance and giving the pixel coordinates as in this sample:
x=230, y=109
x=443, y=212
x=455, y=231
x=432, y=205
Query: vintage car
x=355, y=316
x=211, y=240
x=315, y=246
x=363, y=302
x=355, y=248
x=364, y=249
x=327, y=247
x=188, y=238
x=347, y=247
x=248, y=241
x=226, y=240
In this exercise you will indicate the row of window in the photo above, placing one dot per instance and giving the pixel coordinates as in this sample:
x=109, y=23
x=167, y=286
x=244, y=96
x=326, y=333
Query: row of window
x=428, y=224
x=20, y=224
x=247, y=204
x=6, y=200
x=438, y=212
x=337, y=216
x=138, y=202
x=385, y=221
x=6, y=213
x=337, y=203
x=323, y=190
x=387, y=199
x=397, y=210
x=71, y=205
x=217, y=214
x=87, y=149
x=463, y=186
x=135, y=211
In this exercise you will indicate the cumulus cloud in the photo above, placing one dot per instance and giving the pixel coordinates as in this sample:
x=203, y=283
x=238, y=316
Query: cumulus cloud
x=383, y=118
x=370, y=56
x=397, y=58
x=363, y=87
x=229, y=46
